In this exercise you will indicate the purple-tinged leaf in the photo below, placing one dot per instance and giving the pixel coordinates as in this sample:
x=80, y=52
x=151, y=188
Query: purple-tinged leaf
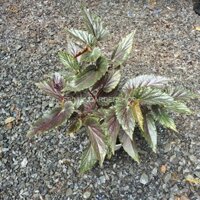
x=151, y=96
x=150, y=132
x=58, y=81
x=144, y=81
x=97, y=138
x=112, y=128
x=125, y=116
x=130, y=147
x=73, y=48
x=52, y=119
x=112, y=81
x=53, y=87
x=88, y=159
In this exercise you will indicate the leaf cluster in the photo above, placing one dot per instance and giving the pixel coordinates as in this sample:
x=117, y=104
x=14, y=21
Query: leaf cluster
x=87, y=95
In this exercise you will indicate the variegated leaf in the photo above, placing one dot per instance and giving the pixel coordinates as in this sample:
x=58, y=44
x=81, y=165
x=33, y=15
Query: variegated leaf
x=83, y=36
x=160, y=114
x=88, y=159
x=137, y=113
x=69, y=61
x=151, y=96
x=112, y=81
x=150, y=132
x=130, y=147
x=91, y=56
x=144, y=81
x=52, y=119
x=123, y=50
x=180, y=93
x=94, y=25
x=96, y=136
x=73, y=48
x=178, y=107
x=53, y=87
x=89, y=76
x=112, y=128
x=125, y=116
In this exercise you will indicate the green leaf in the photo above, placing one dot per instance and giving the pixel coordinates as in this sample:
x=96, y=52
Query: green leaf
x=52, y=119
x=89, y=76
x=75, y=126
x=82, y=36
x=144, y=81
x=69, y=61
x=178, y=107
x=91, y=56
x=123, y=49
x=112, y=81
x=150, y=132
x=96, y=136
x=88, y=159
x=130, y=147
x=94, y=25
x=151, y=96
x=137, y=113
x=112, y=128
x=161, y=115
x=125, y=116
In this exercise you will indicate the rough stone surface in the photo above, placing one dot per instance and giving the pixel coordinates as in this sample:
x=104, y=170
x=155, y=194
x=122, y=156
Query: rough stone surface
x=166, y=43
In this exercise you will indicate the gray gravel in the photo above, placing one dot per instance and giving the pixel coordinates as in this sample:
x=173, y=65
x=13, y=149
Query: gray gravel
x=32, y=32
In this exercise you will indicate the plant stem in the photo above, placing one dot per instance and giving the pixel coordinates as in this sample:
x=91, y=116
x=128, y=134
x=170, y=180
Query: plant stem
x=82, y=51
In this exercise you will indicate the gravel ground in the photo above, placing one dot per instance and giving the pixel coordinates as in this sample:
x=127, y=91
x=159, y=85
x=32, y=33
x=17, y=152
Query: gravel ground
x=32, y=32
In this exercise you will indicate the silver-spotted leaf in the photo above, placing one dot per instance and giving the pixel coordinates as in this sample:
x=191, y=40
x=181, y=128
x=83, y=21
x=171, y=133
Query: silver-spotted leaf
x=94, y=25
x=130, y=147
x=69, y=61
x=161, y=115
x=123, y=50
x=82, y=36
x=112, y=127
x=150, y=132
x=125, y=116
x=112, y=81
x=144, y=81
x=52, y=119
x=96, y=136
x=89, y=76
x=88, y=159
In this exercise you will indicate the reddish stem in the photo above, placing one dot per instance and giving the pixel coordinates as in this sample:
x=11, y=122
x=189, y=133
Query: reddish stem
x=82, y=52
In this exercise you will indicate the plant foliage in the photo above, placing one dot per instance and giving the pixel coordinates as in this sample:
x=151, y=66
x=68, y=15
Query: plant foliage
x=89, y=97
